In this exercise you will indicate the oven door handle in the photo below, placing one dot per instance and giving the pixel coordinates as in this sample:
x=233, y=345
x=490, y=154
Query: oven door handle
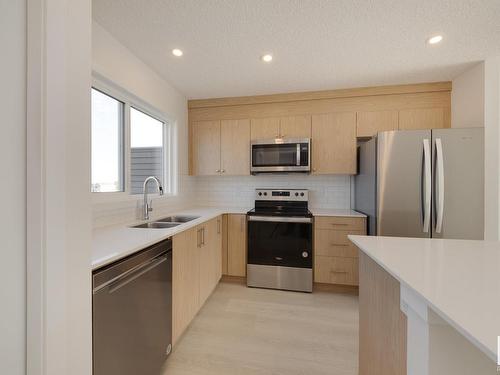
x=276, y=219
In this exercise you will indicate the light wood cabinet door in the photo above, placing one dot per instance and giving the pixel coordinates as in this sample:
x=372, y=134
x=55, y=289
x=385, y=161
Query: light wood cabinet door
x=382, y=324
x=185, y=280
x=235, y=147
x=334, y=143
x=370, y=123
x=205, y=255
x=336, y=270
x=422, y=118
x=237, y=245
x=224, y=244
x=295, y=127
x=206, y=148
x=264, y=128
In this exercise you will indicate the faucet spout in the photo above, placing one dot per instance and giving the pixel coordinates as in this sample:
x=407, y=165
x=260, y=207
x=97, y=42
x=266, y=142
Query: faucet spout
x=148, y=205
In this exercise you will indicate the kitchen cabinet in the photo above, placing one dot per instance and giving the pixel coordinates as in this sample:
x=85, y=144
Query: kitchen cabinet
x=237, y=245
x=281, y=127
x=295, y=127
x=220, y=147
x=334, y=143
x=206, y=148
x=369, y=123
x=335, y=257
x=422, y=118
x=209, y=249
x=265, y=128
x=197, y=269
x=235, y=147
x=382, y=324
x=185, y=280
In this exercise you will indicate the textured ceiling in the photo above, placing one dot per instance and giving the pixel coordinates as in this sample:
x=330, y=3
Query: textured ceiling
x=317, y=44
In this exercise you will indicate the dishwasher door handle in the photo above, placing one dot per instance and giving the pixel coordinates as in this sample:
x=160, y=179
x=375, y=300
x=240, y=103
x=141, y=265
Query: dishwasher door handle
x=130, y=275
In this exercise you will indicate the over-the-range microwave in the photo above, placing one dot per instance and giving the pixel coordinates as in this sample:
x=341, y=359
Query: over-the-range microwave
x=280, y=155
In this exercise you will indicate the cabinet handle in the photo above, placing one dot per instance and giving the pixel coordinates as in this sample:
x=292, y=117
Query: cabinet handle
x=202, y=236
x=338, y=244
x=342, y=224
x=218, y=226
x=223, y=170
x=335, y=271
x=217, y=171
x=198, y=238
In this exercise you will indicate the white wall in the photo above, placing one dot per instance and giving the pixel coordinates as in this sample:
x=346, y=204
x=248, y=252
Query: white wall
x=13, y=187
x=117, y=64
x=492, y=148
x=238, y=191
x=467, y=98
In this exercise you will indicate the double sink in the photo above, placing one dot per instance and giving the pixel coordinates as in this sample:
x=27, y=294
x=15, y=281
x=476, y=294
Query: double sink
x=166, y=222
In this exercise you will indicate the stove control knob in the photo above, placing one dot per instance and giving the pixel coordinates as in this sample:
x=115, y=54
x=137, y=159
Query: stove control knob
x=301, y=194
x=260, y=193
x=296, y=194
x=305, y=254
x=265, y=193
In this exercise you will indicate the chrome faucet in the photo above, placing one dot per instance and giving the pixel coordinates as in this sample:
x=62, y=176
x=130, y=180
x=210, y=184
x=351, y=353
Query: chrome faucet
x=148, y=207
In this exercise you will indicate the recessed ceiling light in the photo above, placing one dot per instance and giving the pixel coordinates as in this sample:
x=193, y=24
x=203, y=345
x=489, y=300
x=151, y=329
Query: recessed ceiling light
x=267, y=58
x=435, y=39
x=177, y=52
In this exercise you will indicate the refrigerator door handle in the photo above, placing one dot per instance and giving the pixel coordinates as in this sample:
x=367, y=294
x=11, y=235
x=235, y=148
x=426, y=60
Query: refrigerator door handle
x=427, y=186
x=439, y=185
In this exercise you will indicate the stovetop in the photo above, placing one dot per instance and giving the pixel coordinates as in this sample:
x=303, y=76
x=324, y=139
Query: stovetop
x=281, y=202
x=279, y=212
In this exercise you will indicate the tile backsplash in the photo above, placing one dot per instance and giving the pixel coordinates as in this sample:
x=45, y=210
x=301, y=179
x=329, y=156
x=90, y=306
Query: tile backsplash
x=228, y=191
x=324, y=191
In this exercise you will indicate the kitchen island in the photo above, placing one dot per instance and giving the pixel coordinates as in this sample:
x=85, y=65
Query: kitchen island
x=428, y=306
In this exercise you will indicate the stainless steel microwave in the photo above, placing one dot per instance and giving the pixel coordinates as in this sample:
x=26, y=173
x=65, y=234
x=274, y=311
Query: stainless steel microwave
x=280, y=155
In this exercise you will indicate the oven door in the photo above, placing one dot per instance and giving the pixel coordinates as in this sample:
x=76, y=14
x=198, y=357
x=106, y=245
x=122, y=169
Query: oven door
x=280, y=155
x=280, y=241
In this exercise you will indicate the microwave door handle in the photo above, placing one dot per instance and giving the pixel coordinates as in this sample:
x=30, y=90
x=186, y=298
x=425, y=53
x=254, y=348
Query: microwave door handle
x=298, y=154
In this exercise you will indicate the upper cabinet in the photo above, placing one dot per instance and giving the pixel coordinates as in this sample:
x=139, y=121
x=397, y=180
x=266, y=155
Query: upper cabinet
x=334, y=120
x=265, y=128
x=369, y=123
x=422, y=118
x=295, y=127
x=334, y=143
x=206, y=147
x=235, y=147
x=281, y=127
x=220, y=147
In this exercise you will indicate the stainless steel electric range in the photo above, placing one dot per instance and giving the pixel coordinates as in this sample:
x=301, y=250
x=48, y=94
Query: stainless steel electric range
x=280, y=231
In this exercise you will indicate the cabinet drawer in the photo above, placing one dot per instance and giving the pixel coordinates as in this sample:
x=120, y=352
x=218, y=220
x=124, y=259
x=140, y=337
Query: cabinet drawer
x=335, y=243
x=342, y=223
x=336, y=270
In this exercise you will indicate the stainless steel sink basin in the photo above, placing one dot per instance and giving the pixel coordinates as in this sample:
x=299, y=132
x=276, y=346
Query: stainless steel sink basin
x=156, y=225
x=177, y=219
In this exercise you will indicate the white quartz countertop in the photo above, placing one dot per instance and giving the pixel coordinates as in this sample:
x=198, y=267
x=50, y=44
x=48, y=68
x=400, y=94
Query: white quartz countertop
x=115, y=242
x=459, y=279
x=335, y=212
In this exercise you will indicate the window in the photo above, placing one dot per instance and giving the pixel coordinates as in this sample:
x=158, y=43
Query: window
x=146, y=149
x=107, y=143
x=129, y=143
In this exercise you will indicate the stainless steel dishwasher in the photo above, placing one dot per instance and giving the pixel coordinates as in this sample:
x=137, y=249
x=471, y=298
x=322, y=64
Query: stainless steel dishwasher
x=132, y=313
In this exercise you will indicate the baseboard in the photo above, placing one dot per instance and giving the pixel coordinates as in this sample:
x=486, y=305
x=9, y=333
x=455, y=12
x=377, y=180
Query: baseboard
x=234, y=279
x=336, y=288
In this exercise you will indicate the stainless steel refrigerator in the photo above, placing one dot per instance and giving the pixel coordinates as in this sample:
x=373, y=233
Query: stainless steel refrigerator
x=423, y=183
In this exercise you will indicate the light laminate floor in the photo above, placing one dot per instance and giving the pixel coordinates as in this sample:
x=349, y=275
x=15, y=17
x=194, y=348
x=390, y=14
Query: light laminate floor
x=246, y=331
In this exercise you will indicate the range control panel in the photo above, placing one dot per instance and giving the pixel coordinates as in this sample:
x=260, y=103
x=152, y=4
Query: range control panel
x=282, y=195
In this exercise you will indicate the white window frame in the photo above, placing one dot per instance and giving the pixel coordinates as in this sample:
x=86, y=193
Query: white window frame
x=169, y=178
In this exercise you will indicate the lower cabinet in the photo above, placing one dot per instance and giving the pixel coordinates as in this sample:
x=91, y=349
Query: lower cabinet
x=335, y=257
x=196, y=270
x=236, y=245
